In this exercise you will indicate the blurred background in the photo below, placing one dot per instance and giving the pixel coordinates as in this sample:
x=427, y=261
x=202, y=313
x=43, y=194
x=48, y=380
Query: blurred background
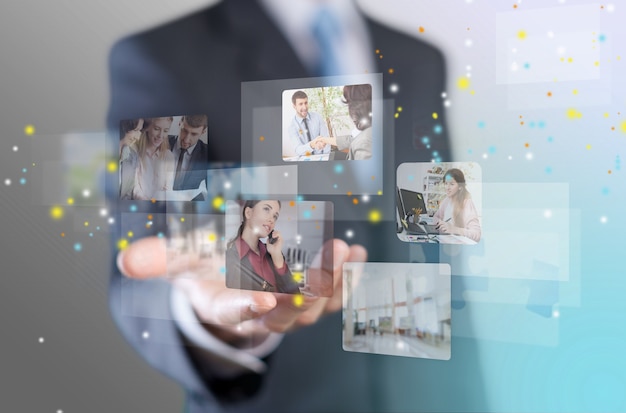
x=535, y=94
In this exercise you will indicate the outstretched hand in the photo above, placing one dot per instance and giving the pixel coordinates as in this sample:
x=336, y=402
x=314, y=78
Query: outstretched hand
x=230, y=314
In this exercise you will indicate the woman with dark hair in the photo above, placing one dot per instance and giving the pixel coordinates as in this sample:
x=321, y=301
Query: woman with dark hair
x=457, y=214
x=252, y=264
x=359, y=143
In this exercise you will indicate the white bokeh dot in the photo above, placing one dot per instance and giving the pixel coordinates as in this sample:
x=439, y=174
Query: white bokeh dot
x=485, y=156
x=41, y=339
x=556, y=314
x=610, y=7
x=468, y=42
x=529, y=156
x=111, y=220
x=7, y=182
x=349, y=233
x=547, y=213
x=15, y=148
x=286, y=174
x=227, y=185
x=86, y=193
x=447, y=103
x=510, y=157
x=393, y=88
x=603, y=219
x=103, y=212
x=365, y=198
x=444, y=95
x=551, y=34
x=145, y=335
x=468, y=68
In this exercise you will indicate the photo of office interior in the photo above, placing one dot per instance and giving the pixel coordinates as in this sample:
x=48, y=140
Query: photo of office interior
x=397, y=309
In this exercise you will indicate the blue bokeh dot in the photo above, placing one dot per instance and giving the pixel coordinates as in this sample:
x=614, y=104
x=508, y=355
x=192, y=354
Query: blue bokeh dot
x=338, y=168
x=78, y=246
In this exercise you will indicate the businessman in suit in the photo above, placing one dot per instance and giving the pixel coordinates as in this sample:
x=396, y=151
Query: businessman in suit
x=248, y=366
x=191, y=154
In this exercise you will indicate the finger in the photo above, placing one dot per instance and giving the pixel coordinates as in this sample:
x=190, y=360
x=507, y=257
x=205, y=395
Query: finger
x=342, y=254
x=216, y=304
x=288, y=308
x=356, y=254
x=143, y=259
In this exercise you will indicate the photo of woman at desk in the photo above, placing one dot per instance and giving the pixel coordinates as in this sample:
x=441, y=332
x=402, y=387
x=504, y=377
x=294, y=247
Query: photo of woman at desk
x=252, y=264
x=457, y=213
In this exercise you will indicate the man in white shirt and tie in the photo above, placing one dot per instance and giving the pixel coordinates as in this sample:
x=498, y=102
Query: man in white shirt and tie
x=305, y=127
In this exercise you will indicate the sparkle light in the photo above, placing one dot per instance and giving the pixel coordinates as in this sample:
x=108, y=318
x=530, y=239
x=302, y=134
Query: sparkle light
x=7, y=182
x=218, y=201
x=111, y=167
x=122, y=244
x=86, y=193
x=15, y=148
x=145, y=335
x=375, y=216
x=529, y=156
x=111, y=220
x=56, y=212
x=298, y=300
x=393, y=88
x=103, y=212
x=41, y=339
x=349, y=233
x=29, y=130
x=603, y=219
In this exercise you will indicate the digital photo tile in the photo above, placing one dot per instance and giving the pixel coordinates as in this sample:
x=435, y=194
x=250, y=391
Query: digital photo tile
x=327, y=123
x=279, y=245
x=164, y=158
x=397, y=309
x=439, y=203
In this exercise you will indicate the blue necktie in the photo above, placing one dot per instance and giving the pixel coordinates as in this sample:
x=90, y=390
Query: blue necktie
x=326, y=30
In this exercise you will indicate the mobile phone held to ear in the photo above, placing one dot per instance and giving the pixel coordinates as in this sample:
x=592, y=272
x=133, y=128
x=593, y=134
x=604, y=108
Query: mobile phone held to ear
x=271, y=238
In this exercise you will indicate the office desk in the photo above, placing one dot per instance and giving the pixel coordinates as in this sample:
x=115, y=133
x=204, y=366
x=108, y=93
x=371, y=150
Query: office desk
x=436, y=239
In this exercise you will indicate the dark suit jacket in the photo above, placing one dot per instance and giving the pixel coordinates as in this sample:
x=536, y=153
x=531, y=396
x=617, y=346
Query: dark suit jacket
x=198, y=165
x=196, y=65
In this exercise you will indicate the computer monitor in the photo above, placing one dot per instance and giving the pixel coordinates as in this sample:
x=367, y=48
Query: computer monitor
x=412, y=201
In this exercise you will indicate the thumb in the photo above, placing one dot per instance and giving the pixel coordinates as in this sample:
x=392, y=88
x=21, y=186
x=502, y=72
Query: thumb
x=143, y=259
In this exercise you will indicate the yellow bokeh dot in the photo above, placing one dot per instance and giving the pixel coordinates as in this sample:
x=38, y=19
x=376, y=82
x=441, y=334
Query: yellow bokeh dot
x=575, y=91
x=261, y=138
x=56, y=212
x=570, y=60
x=218, y=201
x=122, y=244
x=70, y=201
x=573, y=114
x=375, y=216
x=588, y=146
x=521, y=34
x=435, y=115
x=130, y=234
x=86, y=223
x=182, y=219
x=396, y=115
x=29, y=130
x=463, y=82
x=212, y=237
x=297, y=276
x=355, y=201
x=622, y=126
x=399, y=109
x=292, y=203
x=298, y=300
x=379, y=193
x=606, y=114
x=596, y=63
x=472, y=92
x=112, y=167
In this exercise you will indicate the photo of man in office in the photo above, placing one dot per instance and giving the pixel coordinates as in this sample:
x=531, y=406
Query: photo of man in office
x=305, y=127
x=191, y=154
